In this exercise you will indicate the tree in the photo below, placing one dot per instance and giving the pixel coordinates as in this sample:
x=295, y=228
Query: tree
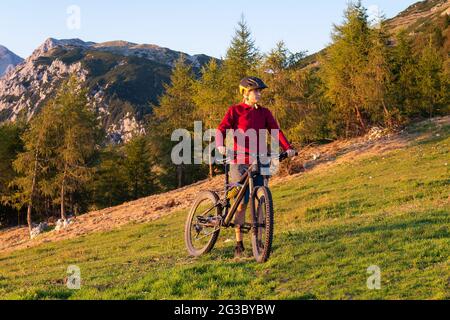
x=376, y=79
x=285, y=93
x=403, y=87
x=107, y=186
x=175, y=111
x=241, y=60
x=32, y=165
x=10, y=146
x=209, y=99
x=343, y=68
x=78, y=131
x=430, y=80
x=138, y=168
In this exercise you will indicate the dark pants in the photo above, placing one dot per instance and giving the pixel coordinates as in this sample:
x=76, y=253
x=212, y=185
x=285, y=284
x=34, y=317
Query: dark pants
x=236, y=173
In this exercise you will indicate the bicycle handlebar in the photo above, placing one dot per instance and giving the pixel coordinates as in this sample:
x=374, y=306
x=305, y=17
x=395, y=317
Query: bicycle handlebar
x=281, y=156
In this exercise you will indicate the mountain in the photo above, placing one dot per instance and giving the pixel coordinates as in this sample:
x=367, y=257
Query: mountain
x=420, y=21
x=124, y=80
x=418, y=16
x=8, y=60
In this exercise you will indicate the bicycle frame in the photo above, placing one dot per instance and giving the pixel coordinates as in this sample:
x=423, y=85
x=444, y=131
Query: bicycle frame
x=248, y=183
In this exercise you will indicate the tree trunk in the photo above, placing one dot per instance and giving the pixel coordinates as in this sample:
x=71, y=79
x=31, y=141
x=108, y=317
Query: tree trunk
x=387, y=115
x=347, y=128
x=63, y=191
x=29, y=218
x=360, y=119
x=180, y=175
x=33, y=187
x=211, y=173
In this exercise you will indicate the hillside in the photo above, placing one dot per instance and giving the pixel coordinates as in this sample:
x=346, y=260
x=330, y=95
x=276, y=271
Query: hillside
x=418, y=15
x=377, y=200
x=420, y=21
x=123, y=79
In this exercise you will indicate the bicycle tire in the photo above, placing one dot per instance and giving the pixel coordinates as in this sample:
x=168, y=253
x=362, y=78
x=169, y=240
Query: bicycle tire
x=214, y=199
x=262, y=254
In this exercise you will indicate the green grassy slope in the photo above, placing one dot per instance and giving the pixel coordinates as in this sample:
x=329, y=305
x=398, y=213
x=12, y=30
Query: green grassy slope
x=390, y=210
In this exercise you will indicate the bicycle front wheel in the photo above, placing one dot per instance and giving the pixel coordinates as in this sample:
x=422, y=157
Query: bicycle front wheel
x=203, y=224
x=263, y=223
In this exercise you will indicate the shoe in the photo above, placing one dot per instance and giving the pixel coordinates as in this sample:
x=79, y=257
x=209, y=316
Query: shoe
x=239, y=250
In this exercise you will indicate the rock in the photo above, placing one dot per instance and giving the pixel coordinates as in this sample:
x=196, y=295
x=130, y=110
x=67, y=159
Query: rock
x=377, y=133
x=39, y=229
x=62, y=224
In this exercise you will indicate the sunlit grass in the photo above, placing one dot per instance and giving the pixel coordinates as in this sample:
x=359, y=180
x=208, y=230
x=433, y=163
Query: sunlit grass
x=390, y=210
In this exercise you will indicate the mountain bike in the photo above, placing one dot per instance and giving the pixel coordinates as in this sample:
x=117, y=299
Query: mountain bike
x=210, y=213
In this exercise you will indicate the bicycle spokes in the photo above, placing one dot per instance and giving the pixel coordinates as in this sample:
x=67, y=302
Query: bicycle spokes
x=203, y=224
x=261, y=225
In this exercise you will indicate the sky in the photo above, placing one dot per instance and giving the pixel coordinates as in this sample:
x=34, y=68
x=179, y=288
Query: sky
x=191, y=26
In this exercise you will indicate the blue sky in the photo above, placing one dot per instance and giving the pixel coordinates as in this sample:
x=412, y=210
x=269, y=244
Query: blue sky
x=194, y=26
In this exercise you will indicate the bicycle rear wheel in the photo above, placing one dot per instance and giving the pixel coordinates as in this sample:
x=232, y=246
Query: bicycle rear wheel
x=203, y=224
x=263, y=223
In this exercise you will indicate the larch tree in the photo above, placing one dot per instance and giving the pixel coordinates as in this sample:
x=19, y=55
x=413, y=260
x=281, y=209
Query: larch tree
x=79, y=136
x=175, y=111
x=210, y=100
x=343, y=68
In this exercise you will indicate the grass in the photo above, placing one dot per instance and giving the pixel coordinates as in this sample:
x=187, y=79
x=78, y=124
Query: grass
x=389, y=210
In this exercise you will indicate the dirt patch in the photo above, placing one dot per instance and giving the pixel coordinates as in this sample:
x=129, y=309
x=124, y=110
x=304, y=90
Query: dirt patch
x=157, y=206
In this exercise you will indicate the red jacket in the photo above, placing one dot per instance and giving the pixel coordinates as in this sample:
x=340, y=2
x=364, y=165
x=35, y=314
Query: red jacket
x=244, y=117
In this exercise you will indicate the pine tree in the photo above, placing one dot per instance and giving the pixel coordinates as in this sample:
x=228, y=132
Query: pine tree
x=241, y=60
x=107, y=187
x=138, y=168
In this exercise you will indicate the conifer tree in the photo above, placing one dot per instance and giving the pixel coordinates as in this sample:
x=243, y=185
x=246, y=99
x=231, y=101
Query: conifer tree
x=175, y=111
x=79, y=135
x=344, y=66
x=10, y=146
x=241, y=60
x=209, y=99
x=430, y=80
x=32, y=165
x=285, y=93
x=138, y=168
x=107, y=187
x=403, y=87
x=376, y=79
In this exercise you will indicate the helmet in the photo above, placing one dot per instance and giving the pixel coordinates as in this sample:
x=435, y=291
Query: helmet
x=251, y=83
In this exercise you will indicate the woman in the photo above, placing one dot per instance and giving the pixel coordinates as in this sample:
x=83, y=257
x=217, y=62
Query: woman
x=245, y=118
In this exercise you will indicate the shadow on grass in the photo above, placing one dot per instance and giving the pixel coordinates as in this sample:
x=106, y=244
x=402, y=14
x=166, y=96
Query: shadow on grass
x=335, y=233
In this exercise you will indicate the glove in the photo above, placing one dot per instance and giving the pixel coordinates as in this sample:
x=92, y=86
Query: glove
x=222, y=150
x=291, y=153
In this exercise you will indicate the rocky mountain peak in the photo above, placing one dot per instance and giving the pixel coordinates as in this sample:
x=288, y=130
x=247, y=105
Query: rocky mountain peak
x=8, y=60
